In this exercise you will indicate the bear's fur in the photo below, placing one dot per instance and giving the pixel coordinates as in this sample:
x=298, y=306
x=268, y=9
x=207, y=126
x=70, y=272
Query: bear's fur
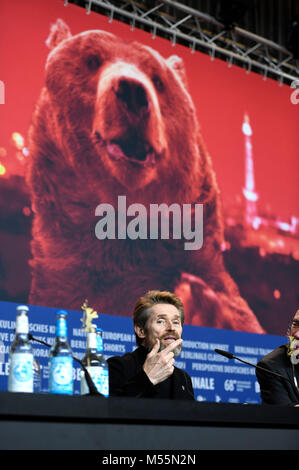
x=115, y=118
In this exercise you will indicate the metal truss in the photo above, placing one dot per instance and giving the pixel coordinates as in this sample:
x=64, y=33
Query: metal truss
x=201, y=32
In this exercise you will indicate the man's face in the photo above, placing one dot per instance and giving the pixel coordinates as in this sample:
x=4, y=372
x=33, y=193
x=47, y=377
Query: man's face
x=294, y=340
x=295, y=327
x=164, y=324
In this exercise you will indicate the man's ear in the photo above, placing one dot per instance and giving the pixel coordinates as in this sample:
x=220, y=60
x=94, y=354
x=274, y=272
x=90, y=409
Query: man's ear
x=139, y=332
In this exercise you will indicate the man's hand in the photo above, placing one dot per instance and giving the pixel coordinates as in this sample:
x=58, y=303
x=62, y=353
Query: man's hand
x=158, y=366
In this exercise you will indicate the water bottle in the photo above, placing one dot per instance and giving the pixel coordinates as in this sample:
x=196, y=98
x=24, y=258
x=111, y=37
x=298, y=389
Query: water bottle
x=104, y=382
x=61, y=360
x=95, y=363
x=21, y=355
x=37, y=378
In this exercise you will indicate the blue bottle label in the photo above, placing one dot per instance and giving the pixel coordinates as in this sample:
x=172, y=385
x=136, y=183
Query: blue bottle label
x=21, y=373
x=102, y=383
x=100, y=346
x=61, y=375
x=100, y=378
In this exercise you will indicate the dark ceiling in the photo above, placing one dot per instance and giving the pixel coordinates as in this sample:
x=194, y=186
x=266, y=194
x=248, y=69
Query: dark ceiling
x=271, y=19
x=268, y=19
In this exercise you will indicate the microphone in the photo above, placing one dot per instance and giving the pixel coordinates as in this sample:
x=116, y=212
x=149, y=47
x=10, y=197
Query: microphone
x=232, y=356
x=91, y=386
x=224, y=353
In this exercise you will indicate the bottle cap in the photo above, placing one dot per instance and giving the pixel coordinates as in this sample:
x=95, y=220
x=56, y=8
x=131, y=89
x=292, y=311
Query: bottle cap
x=62, y=312
x=22, y=308
x=22, y=322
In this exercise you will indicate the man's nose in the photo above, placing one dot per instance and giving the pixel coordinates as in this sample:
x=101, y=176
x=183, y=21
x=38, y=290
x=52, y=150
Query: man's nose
x=170, y=326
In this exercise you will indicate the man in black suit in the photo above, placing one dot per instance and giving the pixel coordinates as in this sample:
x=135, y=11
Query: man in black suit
x=283, y=360
x=149, y=371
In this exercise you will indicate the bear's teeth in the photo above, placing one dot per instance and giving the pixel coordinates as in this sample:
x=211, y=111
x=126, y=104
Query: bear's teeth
x=115, y=150
x=152, y=159
x=145, y=157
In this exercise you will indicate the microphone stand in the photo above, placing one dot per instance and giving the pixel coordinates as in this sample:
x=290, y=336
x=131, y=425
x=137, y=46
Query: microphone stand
x=91, y=386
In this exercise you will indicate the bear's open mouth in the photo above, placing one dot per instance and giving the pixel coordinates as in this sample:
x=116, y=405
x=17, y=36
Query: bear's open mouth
x=131, y=149
x=134, y=150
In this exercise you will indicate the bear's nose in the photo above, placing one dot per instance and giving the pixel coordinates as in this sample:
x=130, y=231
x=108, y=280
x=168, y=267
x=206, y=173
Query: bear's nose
x=133, y=95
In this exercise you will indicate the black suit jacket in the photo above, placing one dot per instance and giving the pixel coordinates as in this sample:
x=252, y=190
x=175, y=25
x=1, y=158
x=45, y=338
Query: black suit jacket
x=127, y=378
x=275, y=390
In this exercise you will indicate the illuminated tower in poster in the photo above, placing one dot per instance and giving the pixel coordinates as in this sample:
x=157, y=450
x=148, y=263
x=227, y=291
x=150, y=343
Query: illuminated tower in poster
x=249, y=189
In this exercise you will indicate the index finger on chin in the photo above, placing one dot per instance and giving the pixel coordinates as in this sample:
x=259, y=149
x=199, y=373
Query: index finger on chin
x=155, y=348
x=172, y=346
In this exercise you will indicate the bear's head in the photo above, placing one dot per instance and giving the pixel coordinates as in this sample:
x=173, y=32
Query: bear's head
x=122, y=110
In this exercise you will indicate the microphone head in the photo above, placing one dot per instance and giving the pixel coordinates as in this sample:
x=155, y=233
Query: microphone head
x=224, y=353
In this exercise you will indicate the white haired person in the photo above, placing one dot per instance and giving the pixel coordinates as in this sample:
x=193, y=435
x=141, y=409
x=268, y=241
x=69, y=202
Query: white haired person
x=284, y=360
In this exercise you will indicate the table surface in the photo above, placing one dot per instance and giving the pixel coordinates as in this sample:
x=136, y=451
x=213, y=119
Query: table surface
x=131, y=410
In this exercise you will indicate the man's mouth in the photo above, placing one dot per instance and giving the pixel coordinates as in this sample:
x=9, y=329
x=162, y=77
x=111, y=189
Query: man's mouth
x=131, y=149
x=170, y=339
